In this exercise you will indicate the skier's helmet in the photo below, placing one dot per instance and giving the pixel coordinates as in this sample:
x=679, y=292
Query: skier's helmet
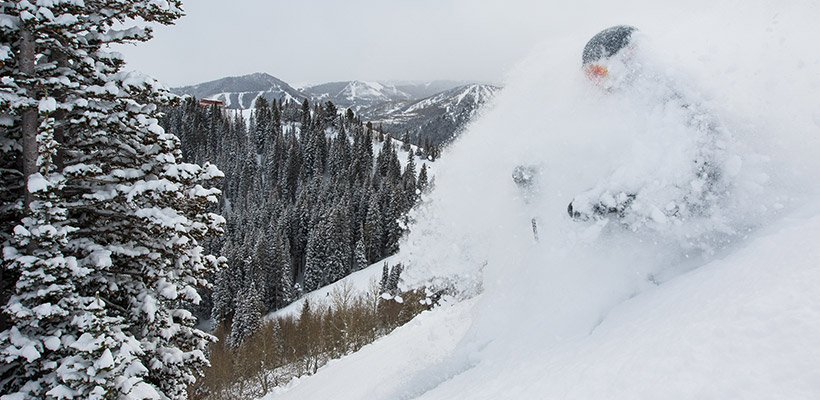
x=602, y=46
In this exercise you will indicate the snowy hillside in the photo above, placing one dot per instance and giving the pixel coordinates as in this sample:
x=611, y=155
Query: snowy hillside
x=438, y=116
x=363, y=95
x=449, y=103
x=470, y=96
x=717, y=304
x=241, y=92
x=356, y=94
x=743, y=327
x=363, y=281
x=421, y=90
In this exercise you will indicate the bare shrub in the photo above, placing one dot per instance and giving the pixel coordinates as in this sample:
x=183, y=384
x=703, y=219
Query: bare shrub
x=288, y=346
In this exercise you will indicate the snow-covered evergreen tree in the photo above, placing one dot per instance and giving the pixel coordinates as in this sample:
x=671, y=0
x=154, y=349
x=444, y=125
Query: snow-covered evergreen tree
x=423, y=183
x=395, y=206
x=317, y=255
x=339, y=247
x=107, y=250
x=223, y=296
x=284, y=293
x=373, y=232
x=359, y=256
x=409, y=179
x=248, y=316
x=392, y=283
x=385, y=278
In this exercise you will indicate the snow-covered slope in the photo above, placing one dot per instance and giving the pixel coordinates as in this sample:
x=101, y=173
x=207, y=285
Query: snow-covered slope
x=356, y=94
x=744, y=327
x=361, y=95
x=721, y=305
x=421, y=89
x=448, y=102
x=468, y=97
x=241, y=92
x=439, y=116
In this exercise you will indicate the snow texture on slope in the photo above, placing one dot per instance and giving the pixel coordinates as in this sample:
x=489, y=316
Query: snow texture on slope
x=722, y=306
x=741, y=327
x=241, y=92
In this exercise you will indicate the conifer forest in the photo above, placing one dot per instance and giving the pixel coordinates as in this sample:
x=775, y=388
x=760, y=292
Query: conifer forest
x=310, y=195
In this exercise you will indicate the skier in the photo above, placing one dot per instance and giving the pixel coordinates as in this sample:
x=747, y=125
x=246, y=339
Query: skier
x=599, y=52
x=612, y=62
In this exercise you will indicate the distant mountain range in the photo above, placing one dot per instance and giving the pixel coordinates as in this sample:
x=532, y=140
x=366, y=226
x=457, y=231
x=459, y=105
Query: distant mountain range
x=433, y=110
x=357, y=94
x=438, y=117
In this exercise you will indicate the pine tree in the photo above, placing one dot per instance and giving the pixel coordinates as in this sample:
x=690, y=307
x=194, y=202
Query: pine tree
x=393, y=165
x=305, y=115
x=359, y=256
x=373, y=232
x=392, y=284
x=316, y=257
x=394, y=206
x=409, y=180
x=248, y=316
x=111, y=218
x=262, y=118
x=337, y=264
x=423, y=180
x=385, y=278
x=263, y=268
x=276, y=117
x=284, y=286
x=384, y=159
x=223, y=296
x=293, y=166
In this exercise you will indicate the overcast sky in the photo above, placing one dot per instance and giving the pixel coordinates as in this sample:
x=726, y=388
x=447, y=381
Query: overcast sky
x=312, y=41
x=315, y=41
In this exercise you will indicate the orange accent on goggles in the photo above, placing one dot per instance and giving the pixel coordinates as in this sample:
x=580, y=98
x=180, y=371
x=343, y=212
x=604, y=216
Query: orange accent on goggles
x=597, y=72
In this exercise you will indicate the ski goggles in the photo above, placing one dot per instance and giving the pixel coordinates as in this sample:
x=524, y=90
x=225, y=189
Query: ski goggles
x=596, y=72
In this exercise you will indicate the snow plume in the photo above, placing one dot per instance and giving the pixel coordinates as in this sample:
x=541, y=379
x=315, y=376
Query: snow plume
x=747, y=65
x=712, y=304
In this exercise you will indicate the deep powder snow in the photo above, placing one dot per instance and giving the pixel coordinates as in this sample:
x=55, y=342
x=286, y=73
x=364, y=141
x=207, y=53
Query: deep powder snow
x=717, y=306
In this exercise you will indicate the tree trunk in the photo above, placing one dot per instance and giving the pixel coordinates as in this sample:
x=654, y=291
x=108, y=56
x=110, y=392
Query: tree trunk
x=59, y=117
x=29, y=117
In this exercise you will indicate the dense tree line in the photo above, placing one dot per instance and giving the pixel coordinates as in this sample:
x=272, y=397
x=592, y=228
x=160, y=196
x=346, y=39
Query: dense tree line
x=311, y=194
x=100, y=220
